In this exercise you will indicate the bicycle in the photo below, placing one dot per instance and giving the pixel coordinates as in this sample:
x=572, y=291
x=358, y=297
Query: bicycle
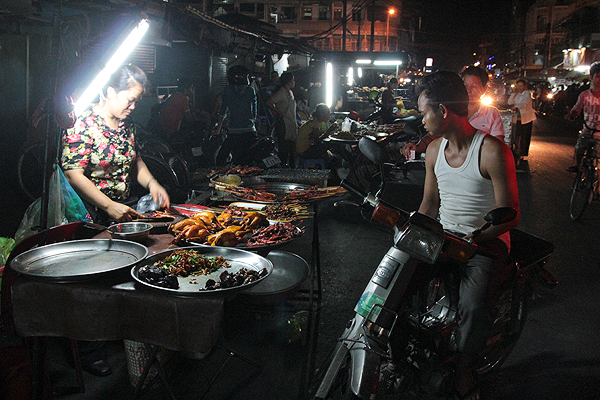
x=585, y=186
x=30, y=169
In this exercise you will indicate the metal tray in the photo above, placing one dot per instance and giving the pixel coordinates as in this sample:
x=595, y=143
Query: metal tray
x=79, y=259
x=191, y=285
x=289, y=272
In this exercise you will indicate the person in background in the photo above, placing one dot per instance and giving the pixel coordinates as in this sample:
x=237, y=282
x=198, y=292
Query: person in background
x=100, y=160
x=521, y=100
x=468, y=173
x=388, y=101
x=239, y=107
x=483, y=117
x=308, y=142
x=176, y=110
x=588, y=102
x=283, y=106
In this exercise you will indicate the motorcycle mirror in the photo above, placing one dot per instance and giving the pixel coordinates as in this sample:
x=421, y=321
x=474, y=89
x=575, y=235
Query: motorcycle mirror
x=501, y=215
x=372, y=150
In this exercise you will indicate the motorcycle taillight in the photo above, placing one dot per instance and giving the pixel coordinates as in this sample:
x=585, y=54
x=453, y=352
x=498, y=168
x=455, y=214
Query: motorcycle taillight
x=386, y=215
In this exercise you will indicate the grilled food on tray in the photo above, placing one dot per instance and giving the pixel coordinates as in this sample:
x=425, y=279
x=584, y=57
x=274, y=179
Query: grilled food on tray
x=234, y=169
x=182, y=263
x=206, y=228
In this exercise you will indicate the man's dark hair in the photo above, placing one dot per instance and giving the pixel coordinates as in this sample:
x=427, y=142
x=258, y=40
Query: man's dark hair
x=525, y=82
x=476, y=72
x=594, y=68
x=447, y=88
x=285, y=78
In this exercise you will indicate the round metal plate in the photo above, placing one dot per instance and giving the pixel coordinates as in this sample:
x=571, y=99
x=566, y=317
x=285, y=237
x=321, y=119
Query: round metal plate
x=192, y=285
x=289, y=272
x=78, y=259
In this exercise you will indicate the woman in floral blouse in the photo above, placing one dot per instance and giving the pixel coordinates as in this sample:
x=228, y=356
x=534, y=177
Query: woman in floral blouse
x=100, y=157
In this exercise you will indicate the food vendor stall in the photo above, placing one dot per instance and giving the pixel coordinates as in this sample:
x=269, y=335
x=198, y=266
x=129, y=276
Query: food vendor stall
x=118, y=304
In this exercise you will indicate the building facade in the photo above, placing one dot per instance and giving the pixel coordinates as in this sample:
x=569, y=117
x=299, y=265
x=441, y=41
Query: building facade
x=368, y=26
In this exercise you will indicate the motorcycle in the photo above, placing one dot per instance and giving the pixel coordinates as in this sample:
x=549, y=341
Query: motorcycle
x=402, y=339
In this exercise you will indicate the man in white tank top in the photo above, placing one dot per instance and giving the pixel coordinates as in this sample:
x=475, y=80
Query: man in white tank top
x=468, y=173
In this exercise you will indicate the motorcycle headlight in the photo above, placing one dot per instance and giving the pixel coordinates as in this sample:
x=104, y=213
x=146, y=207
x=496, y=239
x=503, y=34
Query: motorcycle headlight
x=422, y=237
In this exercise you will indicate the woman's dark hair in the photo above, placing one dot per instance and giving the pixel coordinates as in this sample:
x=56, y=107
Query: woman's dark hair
x=476, y=72
x=321, y=110
x=392, y=81
x=447, y=88
x=285, y=78
x=126, y=77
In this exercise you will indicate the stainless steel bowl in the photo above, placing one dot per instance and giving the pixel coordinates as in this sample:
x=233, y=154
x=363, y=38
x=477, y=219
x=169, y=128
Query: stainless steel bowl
x=136, y=231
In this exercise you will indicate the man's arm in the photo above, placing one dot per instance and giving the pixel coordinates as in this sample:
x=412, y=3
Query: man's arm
x=576, y=110
x=430, y=205
x=497, y=164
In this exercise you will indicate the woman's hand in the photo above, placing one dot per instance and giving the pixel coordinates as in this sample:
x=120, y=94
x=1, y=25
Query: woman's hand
x=159, y=192
x=121, y=213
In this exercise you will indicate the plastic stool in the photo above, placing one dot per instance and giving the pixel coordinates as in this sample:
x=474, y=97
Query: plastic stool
x=311, y=163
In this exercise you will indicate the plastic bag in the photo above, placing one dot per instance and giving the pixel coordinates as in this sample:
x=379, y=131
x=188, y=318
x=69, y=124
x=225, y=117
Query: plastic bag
x=6, y=246
x=64, y=206
x=146, y=203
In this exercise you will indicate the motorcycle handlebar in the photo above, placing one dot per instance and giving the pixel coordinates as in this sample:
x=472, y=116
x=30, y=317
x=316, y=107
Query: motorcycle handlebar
x=353, y=189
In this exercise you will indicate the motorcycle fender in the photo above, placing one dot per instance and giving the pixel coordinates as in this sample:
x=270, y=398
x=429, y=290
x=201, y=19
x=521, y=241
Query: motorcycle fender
x=364, y=371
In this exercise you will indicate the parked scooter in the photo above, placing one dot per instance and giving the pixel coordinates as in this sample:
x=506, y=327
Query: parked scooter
x=402, y=339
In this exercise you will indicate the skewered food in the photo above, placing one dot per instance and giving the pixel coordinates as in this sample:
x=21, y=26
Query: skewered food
x=313, y=193
x=276, y=233
x=234, y=169
x=247, y=193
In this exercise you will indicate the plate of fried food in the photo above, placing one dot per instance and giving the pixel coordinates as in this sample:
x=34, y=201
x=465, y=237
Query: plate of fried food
x=250, y=230
x=202, y=270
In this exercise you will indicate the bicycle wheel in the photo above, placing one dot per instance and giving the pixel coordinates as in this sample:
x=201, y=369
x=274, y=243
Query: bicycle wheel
x=30, y=170
x=581, y=192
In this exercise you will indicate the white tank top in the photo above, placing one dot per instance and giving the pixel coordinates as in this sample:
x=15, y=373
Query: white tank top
x=465, y=195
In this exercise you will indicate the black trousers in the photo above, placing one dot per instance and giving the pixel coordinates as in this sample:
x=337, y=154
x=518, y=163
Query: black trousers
x=237, y=144
x=522, y=138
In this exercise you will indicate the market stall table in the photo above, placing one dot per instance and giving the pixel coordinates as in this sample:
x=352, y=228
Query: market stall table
x=115, y=308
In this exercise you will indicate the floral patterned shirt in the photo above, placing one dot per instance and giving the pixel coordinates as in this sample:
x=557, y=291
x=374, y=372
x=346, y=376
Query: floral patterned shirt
x=106, y=155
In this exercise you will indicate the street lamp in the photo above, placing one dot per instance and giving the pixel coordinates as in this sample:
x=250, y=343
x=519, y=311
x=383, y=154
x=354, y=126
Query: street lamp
x=391, y=12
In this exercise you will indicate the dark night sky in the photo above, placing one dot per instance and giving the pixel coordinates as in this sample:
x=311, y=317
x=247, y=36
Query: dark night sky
x=453, y=29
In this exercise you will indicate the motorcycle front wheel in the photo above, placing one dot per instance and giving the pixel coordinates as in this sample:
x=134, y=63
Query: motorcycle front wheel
x=340, y=382
x=505, y=332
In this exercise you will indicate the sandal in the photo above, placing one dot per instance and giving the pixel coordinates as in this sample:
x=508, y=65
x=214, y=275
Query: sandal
x=472, y=394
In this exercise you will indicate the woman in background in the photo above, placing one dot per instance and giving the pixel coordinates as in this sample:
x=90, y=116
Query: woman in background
x=283, y=106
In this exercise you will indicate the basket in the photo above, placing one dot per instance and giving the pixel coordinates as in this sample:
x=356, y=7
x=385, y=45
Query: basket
x=137, y=357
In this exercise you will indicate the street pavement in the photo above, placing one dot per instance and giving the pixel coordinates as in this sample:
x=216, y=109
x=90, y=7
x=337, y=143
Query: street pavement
x=557, y=357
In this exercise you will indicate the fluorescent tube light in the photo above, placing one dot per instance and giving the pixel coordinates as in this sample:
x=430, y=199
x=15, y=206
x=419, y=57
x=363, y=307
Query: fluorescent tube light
x=111, y=66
